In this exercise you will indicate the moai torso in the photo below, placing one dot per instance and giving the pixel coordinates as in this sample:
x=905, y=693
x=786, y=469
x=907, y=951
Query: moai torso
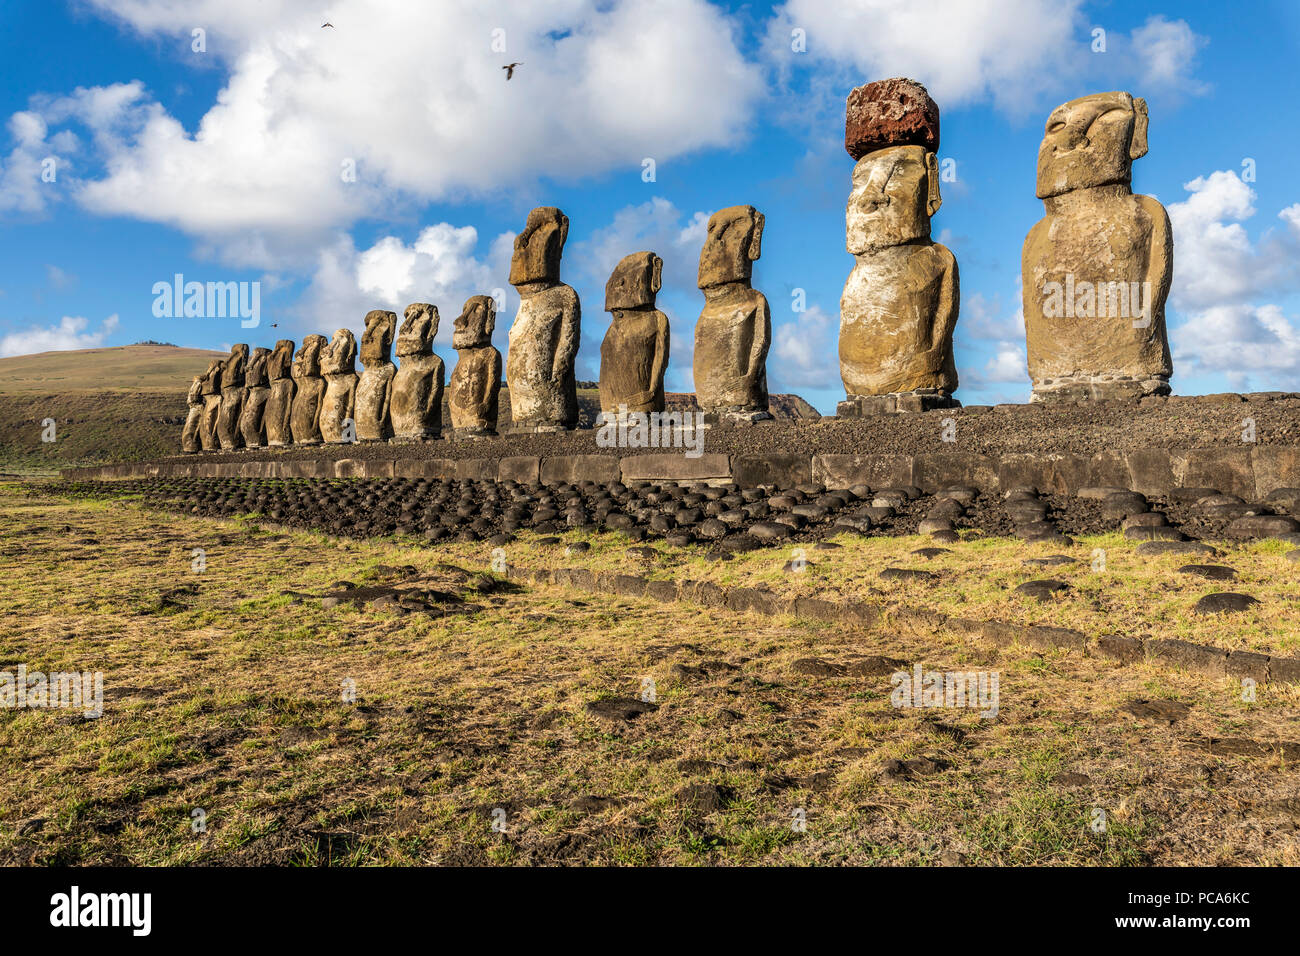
x=232, y=398
x=634, y=352
x=734, y=330
x=338, y=404
x=279, y=403
x=256, y=393
x=1096, y=269
x=208, y=439
x=473, y=393
x=416, y=403
x=194, y=403
x=309, y=389
x=375, y=382
x=544, y=336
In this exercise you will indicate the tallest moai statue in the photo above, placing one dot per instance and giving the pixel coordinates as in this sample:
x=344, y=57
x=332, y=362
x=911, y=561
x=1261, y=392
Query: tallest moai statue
x=899, y=306
x=1095, y=270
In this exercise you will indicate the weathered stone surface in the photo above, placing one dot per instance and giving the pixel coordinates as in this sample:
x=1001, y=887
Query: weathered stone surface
x=374, y=385
x=937, y=470
x=1150, y=471
x=899, y=306
x=1127, y=649
x=524, y=469
x=893, y=112
x=416, y=393
x=1097, y=249
x=190, y=442
x=1276, y=467
x=1195, y=657
x=338, y=403
x=634, y=352
x=875, y=471
x=785, y=471
x=256, y=392
x=675, y=467
x=232, y=398
x=277, y=416
x=1223, y=467
x=309, y=389
x=734, y=331
x=544, y=336
x=576, y=468
x=1262, y=526
x=1248, y=664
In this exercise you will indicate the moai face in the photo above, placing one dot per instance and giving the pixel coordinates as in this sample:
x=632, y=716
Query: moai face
x=255, y=375
x=212, y=377
x=195, y=395
x=377, y=339
x=895, y=192
x=539, y=246
x=340, y=356
x=306, y=363
x=280, y=361
x=1091, y=141
x=634, y=282
x=475, y=324
x=734, y=241
x=232, y=373
x=419, y=326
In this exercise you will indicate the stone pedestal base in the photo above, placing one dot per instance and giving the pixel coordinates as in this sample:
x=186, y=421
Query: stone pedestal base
x=538, y=429
x=866, y=406
x=1095, y=388
x=414, y=439
x=470, y=434
x=735, y=416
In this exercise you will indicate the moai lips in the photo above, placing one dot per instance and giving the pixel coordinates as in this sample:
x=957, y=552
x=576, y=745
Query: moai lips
x=279, y=404
x=256, y=393
x=734, y=330
x=1096, y=269
x=544, y=336
x=634, y=353
x=375, y=382
x=309, y=389
x=476, y=381
x=338, y=404
x=416, y=395
x=232, y=397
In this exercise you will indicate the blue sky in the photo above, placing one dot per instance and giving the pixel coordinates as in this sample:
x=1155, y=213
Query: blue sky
x=224, y=164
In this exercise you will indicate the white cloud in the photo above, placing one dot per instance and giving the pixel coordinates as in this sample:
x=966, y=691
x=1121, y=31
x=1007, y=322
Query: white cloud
x=805, y=351
x=70, y=333
x=657, y=226
x=1166, y=50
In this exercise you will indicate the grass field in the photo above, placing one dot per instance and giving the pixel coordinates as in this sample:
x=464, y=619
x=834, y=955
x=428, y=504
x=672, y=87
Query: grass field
x=152, y=368
x=224, y=692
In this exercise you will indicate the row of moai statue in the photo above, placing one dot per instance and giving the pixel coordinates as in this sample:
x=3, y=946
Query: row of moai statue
x=1095, y=275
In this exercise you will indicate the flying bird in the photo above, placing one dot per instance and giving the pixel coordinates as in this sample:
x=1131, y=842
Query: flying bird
x=510, y=68
x=327, y=24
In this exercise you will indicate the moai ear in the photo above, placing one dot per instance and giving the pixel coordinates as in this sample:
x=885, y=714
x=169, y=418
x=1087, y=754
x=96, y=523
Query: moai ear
x=1137, y=146
x=490, y=323
x=656, y=274
x=933, y=200
x=756, y=240
x=564, y=229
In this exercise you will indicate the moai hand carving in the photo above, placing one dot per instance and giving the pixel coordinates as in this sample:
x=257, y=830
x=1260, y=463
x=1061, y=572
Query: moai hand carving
x=634, y=353
x=1096, y=269
x=899, y=306
x=545, y=333
x=279, y=405
x=476, y=380
x=734, y=331
x=208, y=440
x=194, y=416
x=256, y=393
x=338, y=404
x=417, y=388
x=232, y=397
x=376, y=380
x=309, y=389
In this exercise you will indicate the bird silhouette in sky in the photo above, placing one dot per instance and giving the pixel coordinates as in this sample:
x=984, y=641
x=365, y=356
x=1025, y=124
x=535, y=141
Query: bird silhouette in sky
x=510, y=68
x=327, y=24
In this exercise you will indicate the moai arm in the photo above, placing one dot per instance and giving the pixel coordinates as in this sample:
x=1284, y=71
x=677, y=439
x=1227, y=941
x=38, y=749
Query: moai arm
x=566, y=347
x=762, y=339
x=1160, y=264
x=945, y=315
x=492, y=393
x=662, y=340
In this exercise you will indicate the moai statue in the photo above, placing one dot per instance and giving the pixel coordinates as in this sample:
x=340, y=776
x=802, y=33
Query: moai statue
x=194, y=416
x=1095, y=270
x=417, y=388
x=634, y=353
x=545, y=333
x=232, y=398
x=338, y=404
x=208, y=440
x=279, y=405
x=256, y=393
x=476, y=380
x=735, y=329
x=309, y=389
x=376, y=380
x=899, y=305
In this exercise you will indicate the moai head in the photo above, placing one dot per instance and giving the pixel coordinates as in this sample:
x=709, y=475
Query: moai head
x=377, y=339
x=232, y=373
x=895, y=192
x=255, y=374
x=634, y=282
x=475, y=324
x=419, y=327
x=280, y=361
x=1091, y=141
x=539, y=246
x=306, y=363
x=341, y=355
x=733, y=243
x=212, y=377
x=195, y=395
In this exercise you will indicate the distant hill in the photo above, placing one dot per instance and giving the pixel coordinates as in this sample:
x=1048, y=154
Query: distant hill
x=120, y=368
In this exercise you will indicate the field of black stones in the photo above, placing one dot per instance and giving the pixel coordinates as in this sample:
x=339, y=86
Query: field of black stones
x=725, y=517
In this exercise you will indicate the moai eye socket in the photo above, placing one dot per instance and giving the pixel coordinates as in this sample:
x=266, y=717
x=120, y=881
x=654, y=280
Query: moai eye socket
x=1056, y=126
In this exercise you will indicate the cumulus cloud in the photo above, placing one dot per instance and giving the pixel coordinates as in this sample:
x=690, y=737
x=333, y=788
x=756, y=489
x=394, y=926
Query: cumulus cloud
x=805, y=351
x=70, y=333
x=1166, y=51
